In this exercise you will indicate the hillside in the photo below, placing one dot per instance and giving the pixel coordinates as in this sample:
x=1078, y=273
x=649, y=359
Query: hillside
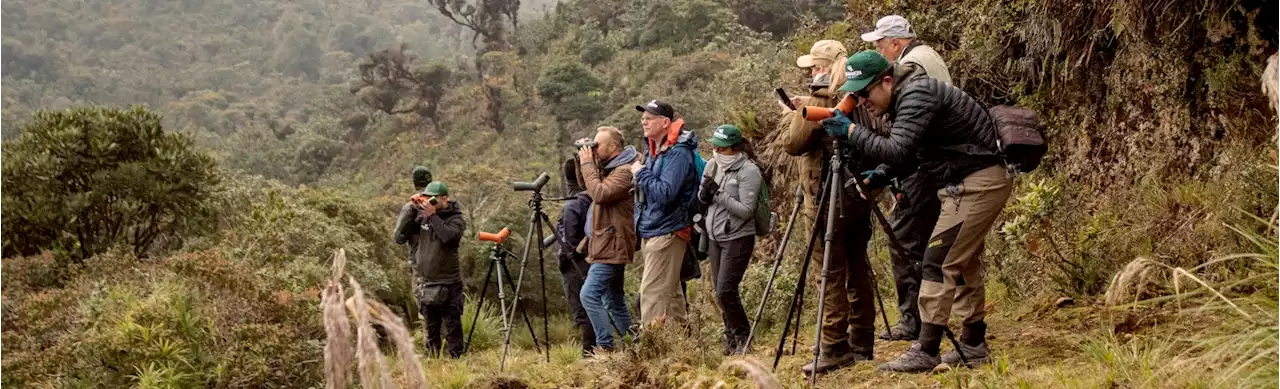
x=1163, y=150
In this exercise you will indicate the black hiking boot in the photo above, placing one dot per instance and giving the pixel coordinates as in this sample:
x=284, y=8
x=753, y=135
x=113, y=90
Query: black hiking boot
x=900, y=332
x=827, y=362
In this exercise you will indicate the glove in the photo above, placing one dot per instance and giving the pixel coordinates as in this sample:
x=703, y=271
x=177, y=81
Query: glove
x=875, y=179
x=708, y=191
x=837, y=126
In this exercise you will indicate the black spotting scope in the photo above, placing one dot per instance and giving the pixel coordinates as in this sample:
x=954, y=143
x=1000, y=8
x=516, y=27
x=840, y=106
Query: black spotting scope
x=535, y=186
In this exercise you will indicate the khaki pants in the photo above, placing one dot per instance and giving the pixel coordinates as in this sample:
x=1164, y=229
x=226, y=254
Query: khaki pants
x=952, y=270
x=660, y=293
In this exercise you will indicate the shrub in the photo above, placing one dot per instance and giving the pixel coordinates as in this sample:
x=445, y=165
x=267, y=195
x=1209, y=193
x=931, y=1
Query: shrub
x=83, y=180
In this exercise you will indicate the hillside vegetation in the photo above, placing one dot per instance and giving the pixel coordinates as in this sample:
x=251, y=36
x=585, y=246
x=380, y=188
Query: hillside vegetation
x=196, y=255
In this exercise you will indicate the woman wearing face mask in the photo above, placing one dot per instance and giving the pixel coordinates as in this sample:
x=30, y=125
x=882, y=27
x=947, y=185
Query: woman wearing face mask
x=730, y=186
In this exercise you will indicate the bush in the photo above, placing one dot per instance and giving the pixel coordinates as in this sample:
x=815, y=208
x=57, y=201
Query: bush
x=83, y=180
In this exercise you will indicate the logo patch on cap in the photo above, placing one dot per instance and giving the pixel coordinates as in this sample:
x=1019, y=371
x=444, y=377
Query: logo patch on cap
x=653, y=104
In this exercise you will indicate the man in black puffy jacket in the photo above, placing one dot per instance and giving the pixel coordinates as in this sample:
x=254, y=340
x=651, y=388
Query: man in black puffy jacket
x=952, y=135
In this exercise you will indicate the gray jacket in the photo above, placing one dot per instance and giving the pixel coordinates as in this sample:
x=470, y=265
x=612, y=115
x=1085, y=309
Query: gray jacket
x=731, y=215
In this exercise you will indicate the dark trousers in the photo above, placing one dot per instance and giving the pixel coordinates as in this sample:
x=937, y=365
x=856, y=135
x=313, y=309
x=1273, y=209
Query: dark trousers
x=729, y=260
x=912, y=221
x=573, y=271
x=448, y=316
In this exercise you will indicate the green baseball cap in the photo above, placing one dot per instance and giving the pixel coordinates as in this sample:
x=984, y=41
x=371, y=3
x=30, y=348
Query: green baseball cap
x=863, y=69
x=436, y=188
x=726, y=135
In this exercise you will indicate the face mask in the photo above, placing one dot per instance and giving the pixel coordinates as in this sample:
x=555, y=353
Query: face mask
x=821, y=80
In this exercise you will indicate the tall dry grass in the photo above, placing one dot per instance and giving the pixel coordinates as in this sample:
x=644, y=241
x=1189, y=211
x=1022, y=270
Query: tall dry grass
x=371, y=363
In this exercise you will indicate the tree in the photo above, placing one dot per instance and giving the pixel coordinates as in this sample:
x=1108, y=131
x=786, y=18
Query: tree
x=578, y=96
x=83, y=180
x=485, y=20
x=389, y=83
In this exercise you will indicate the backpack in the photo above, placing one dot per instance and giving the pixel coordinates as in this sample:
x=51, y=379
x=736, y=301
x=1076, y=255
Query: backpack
x=1020, y=140
x=1021, y=137
x=764, y=218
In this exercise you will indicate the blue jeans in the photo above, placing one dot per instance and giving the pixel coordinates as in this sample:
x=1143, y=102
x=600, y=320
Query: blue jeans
x=602, y=296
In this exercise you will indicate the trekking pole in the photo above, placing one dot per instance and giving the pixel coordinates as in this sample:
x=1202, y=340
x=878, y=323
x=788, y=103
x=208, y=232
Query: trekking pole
x=829, y=239
x=797, y=299
x=894, y=244
x=777, y=263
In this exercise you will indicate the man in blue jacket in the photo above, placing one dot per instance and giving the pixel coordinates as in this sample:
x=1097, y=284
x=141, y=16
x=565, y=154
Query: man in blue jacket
x=666, y=185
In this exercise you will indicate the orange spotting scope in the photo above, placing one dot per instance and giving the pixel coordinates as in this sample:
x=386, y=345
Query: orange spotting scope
x=817, y=114
x=495, y=238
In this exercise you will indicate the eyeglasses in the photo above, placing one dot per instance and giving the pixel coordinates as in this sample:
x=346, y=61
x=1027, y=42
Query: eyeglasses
x=866, y=92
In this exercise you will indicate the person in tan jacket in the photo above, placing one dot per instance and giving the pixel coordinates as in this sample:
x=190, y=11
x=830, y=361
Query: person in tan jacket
x=848, y=320
x=611, y=234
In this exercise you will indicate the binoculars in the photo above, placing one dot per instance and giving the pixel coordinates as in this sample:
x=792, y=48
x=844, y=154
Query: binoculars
x=585, y=143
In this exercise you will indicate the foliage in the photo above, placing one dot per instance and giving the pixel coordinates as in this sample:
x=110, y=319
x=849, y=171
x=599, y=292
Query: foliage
x=390, y=84
x=574, y=93
x=83, y=180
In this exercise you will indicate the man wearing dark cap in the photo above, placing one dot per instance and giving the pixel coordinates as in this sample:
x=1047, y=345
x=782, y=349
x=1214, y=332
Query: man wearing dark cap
x=433, y=234
x=666, y=186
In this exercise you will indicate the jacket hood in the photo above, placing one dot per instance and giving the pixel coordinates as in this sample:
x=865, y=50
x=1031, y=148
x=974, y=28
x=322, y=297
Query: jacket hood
x=902, y=74
x=676, y=136
x=627, y=155
x=453, y=208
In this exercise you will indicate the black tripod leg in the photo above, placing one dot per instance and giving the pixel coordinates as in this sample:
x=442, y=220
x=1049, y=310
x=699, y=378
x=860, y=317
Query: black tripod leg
x=797, y=299
x=479, y=305
x=777, y=263
x=542, y=274
x=525, y=314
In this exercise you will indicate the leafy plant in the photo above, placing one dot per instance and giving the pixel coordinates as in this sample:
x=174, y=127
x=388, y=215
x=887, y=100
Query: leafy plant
x=83, y=180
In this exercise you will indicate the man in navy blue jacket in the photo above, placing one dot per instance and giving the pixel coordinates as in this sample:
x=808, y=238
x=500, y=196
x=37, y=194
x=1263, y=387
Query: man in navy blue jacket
x=571, y=228
x=665, y=184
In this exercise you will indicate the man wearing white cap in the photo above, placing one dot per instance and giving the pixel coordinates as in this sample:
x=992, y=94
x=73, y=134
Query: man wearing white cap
x=897, y=43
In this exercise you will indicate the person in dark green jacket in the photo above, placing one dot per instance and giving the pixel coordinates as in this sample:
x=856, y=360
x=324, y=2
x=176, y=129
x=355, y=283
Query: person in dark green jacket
x=433, y=233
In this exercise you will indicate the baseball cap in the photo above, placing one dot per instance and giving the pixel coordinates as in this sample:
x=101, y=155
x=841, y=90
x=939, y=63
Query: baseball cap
x=862, y=69
x=436, y=189
x=726, y=135
x=657, y=107
x=421, y=176
x=892, y=26
x=823, y=53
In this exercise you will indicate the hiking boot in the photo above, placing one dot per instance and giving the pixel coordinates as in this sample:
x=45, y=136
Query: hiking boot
x=899, y=333
x=827, y=362
x=915, y=360
x=974, y=355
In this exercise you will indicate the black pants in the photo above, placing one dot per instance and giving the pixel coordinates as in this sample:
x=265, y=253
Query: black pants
x=729, y=260
x=573, y=271
x=912, y=222
x=448, y=316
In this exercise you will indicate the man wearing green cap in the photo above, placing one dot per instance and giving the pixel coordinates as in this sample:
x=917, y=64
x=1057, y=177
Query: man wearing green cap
x=955, y=140
x=434, y=234
x=730, y=187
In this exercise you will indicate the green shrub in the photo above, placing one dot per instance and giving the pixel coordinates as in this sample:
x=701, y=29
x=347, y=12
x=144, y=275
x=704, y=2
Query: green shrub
x=83, y=180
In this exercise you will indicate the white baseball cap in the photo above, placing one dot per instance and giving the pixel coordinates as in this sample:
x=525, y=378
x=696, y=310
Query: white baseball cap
x=892, y=26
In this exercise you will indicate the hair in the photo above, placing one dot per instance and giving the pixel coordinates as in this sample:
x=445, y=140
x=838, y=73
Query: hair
x=615, y=134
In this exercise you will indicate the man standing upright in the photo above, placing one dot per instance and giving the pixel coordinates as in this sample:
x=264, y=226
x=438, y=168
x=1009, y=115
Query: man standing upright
x=917, y=210
x=434, y=234
x=666, y=186
x=611, y=234
x=571, y=230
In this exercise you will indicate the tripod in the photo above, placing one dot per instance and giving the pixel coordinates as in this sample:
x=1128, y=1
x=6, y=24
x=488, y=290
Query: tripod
x=498, y=265
x=537, y=219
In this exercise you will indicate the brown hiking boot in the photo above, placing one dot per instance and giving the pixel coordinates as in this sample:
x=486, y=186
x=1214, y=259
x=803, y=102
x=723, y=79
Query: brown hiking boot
x=973, y=355
x=915, y=360
x=827, y=362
